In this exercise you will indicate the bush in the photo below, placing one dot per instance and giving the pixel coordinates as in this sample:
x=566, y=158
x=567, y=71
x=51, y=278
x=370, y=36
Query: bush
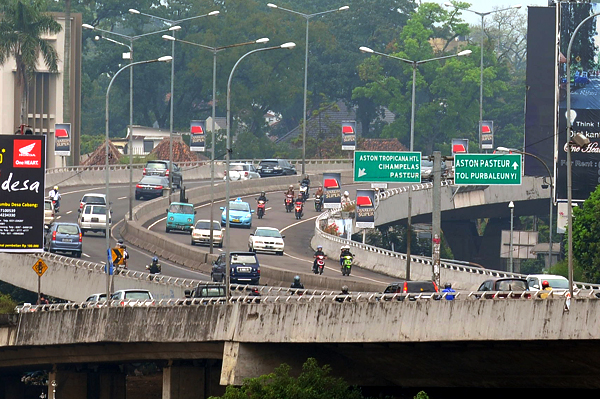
x=7, y=304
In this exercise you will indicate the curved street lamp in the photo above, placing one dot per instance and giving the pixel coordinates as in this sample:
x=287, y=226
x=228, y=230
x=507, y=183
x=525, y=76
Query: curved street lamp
x=214, y=50
x=307, y=17
x=414, y=65
x=482, y=15
x=289, y=45
x=107, y=177
x=173, y=23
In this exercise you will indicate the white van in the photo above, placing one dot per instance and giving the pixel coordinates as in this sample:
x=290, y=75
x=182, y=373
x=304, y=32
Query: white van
x=557, y=283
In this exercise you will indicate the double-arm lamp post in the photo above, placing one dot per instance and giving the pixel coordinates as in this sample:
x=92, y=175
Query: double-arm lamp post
x=289, y=45
x=414, y=65
x=482, y=15
x=215, y=51
x=107, y=177
x=173, y=24
x=130, y=47
x=504, y=149
x=304, y=116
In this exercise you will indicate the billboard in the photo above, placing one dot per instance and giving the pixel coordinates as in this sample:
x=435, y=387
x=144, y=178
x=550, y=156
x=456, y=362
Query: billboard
x=460, y=146
x=365, y=209
x=486, y=135
x=584, y=112
x=62, y=139
x=22, y=174
x=349, y=135
x=197, y=136
x=332, y=185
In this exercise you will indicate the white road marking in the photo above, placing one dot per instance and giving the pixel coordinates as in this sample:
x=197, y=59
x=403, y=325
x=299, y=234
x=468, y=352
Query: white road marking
x=58, y=217
x=297, y=223
x=69, y=212
x=269, y=208
x=86, y=255
x=120, y=198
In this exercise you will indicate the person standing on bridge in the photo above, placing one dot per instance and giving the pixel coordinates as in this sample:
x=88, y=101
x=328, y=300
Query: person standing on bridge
x=449, y=292
x=545, y=287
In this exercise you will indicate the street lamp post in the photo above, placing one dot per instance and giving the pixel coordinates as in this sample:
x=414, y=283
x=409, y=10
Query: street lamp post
x=511, y=205
x=304, y=117
x=289, y=45
x=173, y=24
x=482, y=15
x=414, y=65
x=130, y=46
x=107, y=176
x=551, y=222
x=569, y=166
x=215, y=51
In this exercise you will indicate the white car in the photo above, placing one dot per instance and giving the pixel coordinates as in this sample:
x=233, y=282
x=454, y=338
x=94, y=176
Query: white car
x=201, y=233
x=93, y=218
x=241, y=171
x=92, y=198
x=48, y=212
x=267, y=239
x=558, y=284
x=132, y=297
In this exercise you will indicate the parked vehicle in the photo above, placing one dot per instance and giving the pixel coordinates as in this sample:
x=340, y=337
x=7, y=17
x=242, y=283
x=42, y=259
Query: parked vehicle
x=64, y=237
x=201, y=233
x=276, y=167
x=161, y=168
x=241, y=171
x=502, y=286
x=267, y=239
x=180, y=216
x=244, y=268
x=92, y=198
x=151, y=187
x=93, y=218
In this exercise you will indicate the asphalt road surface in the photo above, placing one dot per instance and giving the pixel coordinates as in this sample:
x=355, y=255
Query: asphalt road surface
x=298, y=255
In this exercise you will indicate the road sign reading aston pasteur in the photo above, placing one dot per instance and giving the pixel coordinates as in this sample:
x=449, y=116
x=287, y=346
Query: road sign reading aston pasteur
x=387, y=166
x=22, y=173
x=487, y=169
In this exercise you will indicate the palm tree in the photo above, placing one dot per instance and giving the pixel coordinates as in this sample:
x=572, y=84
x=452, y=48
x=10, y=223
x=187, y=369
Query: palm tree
x=22, y=25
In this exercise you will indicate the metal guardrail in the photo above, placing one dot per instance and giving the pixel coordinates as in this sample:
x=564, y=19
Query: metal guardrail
x=189, y=165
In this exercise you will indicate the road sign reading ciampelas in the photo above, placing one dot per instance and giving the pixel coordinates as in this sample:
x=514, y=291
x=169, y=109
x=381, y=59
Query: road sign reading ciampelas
x=387, y=166
x=487, y=169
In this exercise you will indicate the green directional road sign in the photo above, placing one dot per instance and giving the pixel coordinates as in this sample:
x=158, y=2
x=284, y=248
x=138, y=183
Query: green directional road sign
x=487, y=169
x=387, y=166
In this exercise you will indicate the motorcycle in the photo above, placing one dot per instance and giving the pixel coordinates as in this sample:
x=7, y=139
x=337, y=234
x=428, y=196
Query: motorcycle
x=320, y=264
x=346, y=265
x=318, y=203
x=304, y=191
x=299, y=207
x=149, y=268
x=56, y=205
x=260, y=209
x=289, y=202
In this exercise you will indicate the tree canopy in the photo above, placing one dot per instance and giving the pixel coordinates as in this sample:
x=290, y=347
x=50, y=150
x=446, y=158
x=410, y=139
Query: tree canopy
x=586, y=230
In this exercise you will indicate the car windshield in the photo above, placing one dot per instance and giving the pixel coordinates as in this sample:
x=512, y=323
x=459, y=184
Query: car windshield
x=205, y=225
x=156, y=165
x=67, y=229
x=178, y=208
x=93, y=199
x=212, y=292
x=47, y=205
x=558, y=282
x=140, y=295
x=420, y=286
x=239, y=167
x=243, y=259
x=267, y=233
x=239, y=206
x=511, y=285
x=154, y=180
x=269, y=163
x=427, y=164
x=95, y=210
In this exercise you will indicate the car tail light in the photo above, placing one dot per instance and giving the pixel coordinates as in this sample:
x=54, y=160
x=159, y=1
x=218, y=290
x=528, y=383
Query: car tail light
x=144, y=172
x=405, y=287
x=122, y=303
x=138, y=186
x=81, y=205
x=258, y=271
x=246, y=174
x=167, y=172
x=436, y=287
x=225, y=173
x=54, y=236
x=158, y=187
x=80, y=237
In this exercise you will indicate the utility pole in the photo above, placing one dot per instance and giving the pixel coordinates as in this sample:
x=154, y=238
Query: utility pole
x=436, y=217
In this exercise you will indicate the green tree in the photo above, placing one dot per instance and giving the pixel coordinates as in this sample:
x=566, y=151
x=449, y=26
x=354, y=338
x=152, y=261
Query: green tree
x=586, y=230
x=313, y=383
x=23, y=25
x=7, y=304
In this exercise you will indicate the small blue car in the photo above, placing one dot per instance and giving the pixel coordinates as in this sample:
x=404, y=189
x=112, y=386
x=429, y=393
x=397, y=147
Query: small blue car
x=240, y=214
x=64, y=237
x=180, y=216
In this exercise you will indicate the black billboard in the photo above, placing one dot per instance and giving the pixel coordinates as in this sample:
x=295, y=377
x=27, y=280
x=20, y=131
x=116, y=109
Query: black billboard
x=365, y=209
x=332, y=183
x=22, y=174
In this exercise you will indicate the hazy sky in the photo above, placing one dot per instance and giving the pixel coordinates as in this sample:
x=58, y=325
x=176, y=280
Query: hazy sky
x=490, y=5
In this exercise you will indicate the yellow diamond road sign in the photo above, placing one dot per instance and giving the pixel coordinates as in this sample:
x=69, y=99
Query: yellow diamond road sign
x=40, y=267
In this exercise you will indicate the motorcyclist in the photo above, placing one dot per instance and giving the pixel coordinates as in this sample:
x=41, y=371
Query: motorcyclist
x=305, y=181
x=345, y=251
x=345, y=198
x=343, y=296
x=297, y=283
x=55, y=196
x=125, y=256
x=319, y=192
x=290, y=191
x=318, y=252
x=262, y=197
x=154, y=267
x=300, y=198
x=450, y=292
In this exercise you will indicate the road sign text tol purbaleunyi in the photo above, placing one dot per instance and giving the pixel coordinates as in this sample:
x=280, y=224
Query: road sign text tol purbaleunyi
x=387, y=166
x=487, y=169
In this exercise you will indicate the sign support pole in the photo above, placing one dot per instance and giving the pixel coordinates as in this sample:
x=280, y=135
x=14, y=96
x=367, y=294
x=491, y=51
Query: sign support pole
x=436, y=217
x=39, y=288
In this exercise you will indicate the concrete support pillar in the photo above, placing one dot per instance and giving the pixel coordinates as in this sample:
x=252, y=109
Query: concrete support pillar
x=106, y=384
x=183, y=382
x=69, y=384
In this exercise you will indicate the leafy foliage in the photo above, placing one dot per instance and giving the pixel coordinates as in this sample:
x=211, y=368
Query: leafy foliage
x=586, y=230
x=313, y=383
x=7, y=304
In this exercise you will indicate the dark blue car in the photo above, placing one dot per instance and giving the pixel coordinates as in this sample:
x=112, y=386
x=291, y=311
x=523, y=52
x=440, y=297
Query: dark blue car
x=245, y=268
